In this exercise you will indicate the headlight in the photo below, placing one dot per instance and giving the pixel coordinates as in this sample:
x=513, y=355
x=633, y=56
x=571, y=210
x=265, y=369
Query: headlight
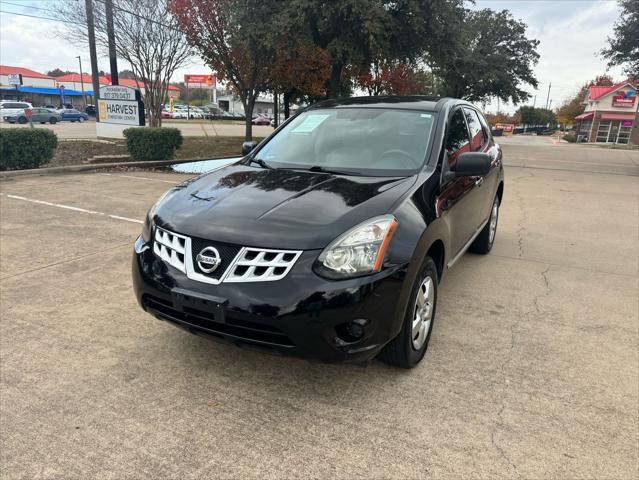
x=147, y=226
x=359, y=251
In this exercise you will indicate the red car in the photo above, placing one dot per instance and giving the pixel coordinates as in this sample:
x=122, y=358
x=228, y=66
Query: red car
x=261, y=120
x=165, y=114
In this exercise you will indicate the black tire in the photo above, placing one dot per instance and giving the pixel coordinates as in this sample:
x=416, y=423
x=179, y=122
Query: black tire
x=81, y=119
x=484, y=242
x=53, y=120
x=22, y=120
x=400, y=351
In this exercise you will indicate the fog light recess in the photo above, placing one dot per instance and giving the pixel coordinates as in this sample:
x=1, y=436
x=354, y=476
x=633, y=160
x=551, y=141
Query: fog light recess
x=351, y=331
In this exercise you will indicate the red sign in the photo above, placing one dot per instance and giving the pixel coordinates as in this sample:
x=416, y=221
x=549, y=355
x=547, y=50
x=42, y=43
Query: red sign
x=623, y=101
x=506, y=127
x=205, y=79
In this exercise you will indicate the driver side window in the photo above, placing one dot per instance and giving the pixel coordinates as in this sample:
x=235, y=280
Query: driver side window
x=457, y=141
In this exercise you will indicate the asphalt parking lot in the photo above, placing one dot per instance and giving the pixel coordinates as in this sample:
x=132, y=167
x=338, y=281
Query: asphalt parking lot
x=532, y=370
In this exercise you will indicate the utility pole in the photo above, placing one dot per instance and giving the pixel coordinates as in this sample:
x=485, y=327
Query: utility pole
x=548, y=96
x=534, y=101
x=497, y=105
x=108, y=4
x=94, y=57
x=84, y=98
x=550, y=104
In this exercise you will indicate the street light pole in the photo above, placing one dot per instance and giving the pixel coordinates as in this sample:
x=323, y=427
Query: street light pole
x=94, y=57
x=84, y=98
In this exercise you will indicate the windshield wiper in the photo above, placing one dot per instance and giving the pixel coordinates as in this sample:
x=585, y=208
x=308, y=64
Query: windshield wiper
x=260, y=162
x=320, y=169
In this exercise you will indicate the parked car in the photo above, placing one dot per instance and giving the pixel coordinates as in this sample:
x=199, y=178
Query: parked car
x=73, y=115
x=261, y=120
x=328, y=239
x=90, y=110
x=38, y=115
x=166, y=114
x=12, y=108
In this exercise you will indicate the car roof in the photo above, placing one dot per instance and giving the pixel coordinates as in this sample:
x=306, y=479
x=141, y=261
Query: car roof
x=406, y=102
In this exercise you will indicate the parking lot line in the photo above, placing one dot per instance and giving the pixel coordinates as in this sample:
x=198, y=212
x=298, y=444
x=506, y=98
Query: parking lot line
x=139, y=178
x=75, y=209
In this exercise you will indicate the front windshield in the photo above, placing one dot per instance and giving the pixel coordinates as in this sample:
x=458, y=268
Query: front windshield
x=373, y=141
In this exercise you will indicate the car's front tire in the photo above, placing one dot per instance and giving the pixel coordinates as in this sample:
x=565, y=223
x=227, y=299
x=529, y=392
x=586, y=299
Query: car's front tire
x=484, y=241
x=53, y=120
x=22, y=120
x=408, y=348
x=81, y=119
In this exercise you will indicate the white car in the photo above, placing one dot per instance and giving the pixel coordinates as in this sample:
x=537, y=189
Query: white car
x=9, y=108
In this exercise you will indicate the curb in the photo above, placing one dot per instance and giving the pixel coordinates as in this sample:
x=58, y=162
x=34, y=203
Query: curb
x=101, y=166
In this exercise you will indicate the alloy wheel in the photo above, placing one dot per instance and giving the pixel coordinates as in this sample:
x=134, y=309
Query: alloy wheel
x=423, y=313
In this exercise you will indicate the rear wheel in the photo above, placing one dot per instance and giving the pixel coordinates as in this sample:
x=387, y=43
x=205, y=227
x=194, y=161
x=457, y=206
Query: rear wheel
x=408, y=348
x=484, y=241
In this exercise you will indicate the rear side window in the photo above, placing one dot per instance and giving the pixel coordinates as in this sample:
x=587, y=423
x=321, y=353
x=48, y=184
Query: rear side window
x=477, y=135
x=457, y=141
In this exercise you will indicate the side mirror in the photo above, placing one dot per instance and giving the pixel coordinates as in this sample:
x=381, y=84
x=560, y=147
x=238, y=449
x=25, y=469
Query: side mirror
x=247, y=147
x=470, y=164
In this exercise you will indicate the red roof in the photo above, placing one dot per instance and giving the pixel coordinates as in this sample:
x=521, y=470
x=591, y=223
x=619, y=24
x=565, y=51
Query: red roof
x=8, y=70
x=595, y=92
x=75, y=77
x=127, y=82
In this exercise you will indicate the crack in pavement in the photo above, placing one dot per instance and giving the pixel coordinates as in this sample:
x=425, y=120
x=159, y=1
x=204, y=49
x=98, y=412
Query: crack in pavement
x=521, y=229
x=513, y=327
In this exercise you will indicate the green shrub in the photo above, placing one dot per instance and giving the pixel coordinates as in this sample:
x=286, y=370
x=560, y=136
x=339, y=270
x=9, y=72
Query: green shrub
x=147, y=143
x=569, y=137
x=22, y=148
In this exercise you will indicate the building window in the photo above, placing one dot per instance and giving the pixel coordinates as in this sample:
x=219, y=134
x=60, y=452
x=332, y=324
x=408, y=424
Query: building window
x=602, y=131
x=624, y=132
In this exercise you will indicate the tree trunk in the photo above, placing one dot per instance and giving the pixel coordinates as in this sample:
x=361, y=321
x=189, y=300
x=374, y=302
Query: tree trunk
x=287, y=104
x=335, y=80
x=248, y=104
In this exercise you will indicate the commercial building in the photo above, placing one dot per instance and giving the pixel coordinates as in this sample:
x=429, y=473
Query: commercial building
x=610, y=115
x=40, y=89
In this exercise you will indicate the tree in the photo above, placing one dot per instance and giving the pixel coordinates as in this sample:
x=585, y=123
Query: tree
x=623, y=47
x=353, y=33
x=487, y=56
x=299, y=71
x=231, y=36
x=128, y=74
x=146, y=38
x=395, y=78
x=536, y=116
x=56, y=72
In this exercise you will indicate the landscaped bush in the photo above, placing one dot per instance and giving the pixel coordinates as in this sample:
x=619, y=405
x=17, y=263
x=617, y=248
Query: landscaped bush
x=22, y=148
x=152, y=143
x=570, y=138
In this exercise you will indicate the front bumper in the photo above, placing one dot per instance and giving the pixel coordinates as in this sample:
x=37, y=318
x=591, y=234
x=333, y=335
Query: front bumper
x=301, y=314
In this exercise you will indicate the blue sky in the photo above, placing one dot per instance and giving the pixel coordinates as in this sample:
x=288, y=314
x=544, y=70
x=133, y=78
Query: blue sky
x=570, y=31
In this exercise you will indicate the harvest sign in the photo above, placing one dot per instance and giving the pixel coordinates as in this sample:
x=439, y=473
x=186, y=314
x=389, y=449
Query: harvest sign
x=121, y=105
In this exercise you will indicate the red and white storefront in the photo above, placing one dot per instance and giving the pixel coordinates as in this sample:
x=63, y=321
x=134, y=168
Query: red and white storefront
x=610, y=115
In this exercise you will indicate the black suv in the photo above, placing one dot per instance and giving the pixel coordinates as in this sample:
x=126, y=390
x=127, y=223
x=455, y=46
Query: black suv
x=330, y=237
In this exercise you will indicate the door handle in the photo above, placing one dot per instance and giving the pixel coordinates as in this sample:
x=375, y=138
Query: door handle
x=479, y=181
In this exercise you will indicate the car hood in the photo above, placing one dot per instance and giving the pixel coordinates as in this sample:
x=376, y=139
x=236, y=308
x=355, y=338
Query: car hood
x=275, y=208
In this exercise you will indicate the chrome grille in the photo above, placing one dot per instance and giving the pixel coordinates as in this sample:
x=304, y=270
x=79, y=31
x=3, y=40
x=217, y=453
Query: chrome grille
x=171, y=248
x=261, y=265
x=249, y=265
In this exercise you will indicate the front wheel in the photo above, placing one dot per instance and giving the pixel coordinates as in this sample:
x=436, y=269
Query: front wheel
x=53, y=120
x=81, y=119
x=408, y=348
x=484, y=241
x=22, y=120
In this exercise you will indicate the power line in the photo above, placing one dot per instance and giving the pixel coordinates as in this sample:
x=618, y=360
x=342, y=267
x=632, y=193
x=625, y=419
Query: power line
x=117, y=7
x=24, y=6
x=40, y=17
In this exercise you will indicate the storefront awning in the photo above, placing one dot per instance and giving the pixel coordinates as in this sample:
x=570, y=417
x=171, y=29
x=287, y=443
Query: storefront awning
x=585, y=116
x=53, y=91
x=618, y=116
